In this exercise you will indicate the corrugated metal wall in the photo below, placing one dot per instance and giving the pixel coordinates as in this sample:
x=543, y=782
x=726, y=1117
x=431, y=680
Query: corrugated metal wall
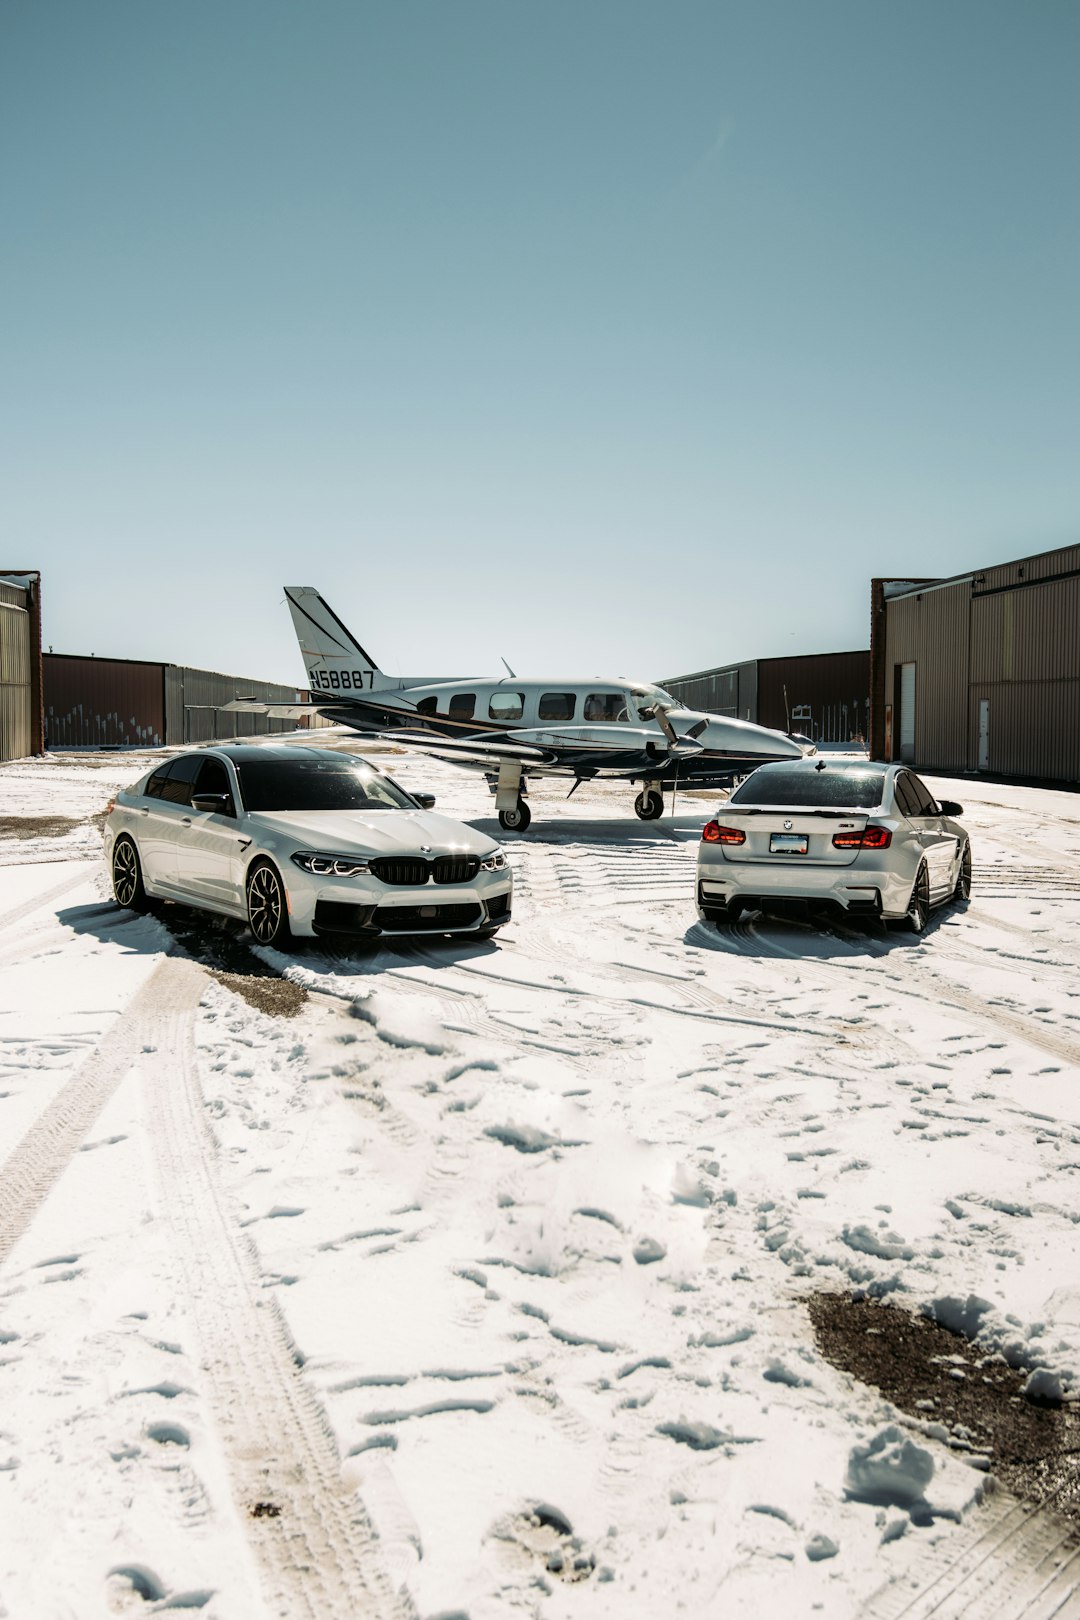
x=731, y=690
x=834, y=687
x=103, y=703
x=118, y=703
x=1025, y=662
x=931, y=630
x=16, y=708
x=193, y=700
x=1008, y=637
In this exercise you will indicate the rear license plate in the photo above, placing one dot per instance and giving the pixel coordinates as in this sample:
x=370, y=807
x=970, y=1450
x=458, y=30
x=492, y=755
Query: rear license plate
x=787, y=844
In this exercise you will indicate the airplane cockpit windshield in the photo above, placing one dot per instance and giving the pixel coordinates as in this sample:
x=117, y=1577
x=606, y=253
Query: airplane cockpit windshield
x=648, y=699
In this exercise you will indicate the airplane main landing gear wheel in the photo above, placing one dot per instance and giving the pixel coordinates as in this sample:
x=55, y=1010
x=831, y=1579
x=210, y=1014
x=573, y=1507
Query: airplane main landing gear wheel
x=517, y=819
x=649, y=806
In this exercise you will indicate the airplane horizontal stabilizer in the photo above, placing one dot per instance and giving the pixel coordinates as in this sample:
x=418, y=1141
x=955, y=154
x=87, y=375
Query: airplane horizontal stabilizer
x=272, y=711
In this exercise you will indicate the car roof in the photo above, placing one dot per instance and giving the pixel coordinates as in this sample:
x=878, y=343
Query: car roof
x=819, y=762
x=255, y=753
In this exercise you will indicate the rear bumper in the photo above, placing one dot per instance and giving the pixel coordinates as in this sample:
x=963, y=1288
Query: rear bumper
x=749, y=885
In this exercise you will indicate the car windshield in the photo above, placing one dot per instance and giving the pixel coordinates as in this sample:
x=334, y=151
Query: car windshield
x=317, y=784
x=780, y=785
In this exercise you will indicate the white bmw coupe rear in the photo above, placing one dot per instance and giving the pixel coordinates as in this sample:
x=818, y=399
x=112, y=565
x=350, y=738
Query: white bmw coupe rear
x=302, y=841
x=845, y=835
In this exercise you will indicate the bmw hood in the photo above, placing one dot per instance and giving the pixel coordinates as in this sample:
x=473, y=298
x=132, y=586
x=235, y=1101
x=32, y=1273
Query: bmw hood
x=374, y=832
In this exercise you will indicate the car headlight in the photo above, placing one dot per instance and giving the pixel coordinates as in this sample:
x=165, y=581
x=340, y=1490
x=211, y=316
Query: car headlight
x=495, y=862
x=329, y=865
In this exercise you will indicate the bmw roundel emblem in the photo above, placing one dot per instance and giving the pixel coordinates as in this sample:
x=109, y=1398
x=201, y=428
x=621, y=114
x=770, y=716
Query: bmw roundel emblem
x=787, y=826
x=425, y=849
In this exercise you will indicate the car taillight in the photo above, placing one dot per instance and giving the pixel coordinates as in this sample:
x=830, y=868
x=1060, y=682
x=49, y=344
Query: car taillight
x=713, y=833
x=871, y=837
x=111, y=806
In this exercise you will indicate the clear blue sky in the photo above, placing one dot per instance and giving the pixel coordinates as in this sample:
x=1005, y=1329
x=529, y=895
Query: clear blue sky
x=603, y=335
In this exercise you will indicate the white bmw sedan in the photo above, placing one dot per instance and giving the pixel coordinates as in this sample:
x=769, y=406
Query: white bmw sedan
x=849, y=835
x=302, y=841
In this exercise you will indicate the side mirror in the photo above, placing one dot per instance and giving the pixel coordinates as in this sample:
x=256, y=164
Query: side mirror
x=212, y=804
x=949, y=807
x=426, y=801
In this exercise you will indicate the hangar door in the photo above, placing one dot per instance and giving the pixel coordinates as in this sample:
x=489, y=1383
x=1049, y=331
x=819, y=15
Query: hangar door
x=907, y=713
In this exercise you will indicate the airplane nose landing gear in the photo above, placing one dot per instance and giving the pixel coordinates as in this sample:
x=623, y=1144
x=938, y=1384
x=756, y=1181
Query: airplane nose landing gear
x=517, y=819
x=649, y=806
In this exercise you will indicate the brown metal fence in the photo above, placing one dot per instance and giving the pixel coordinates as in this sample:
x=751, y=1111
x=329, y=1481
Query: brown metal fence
x=127, y=703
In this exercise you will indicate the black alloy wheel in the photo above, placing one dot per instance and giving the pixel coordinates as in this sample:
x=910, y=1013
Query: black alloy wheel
x=918, y=911
x=268, y=912
x=516, y=820
x=962, y=890
x=649, y=806
x=127, y=883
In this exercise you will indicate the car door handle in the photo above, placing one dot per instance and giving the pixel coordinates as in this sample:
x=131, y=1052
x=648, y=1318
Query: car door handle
x=186, y=820
x=143, y=811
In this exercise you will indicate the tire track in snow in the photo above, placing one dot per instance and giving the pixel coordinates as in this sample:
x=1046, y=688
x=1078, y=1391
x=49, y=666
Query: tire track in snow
x=8, y=919
x=946, y=994
x=319, y=1553
x=1021, y=1563
x=38, y=1161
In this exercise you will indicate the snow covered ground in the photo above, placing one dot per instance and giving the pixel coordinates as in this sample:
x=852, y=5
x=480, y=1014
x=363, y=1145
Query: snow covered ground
x=474, y=1289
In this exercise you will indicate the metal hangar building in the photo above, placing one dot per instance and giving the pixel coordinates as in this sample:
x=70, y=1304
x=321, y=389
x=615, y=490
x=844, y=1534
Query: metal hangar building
x=981, y=672
x=824, y=696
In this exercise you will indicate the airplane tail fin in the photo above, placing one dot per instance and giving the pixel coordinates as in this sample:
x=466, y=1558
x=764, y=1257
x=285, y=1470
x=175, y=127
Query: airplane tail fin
x=333, y=658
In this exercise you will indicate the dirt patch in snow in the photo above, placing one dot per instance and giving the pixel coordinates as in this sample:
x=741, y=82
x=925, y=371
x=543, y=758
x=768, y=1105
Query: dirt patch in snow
x=280, y=998
x=945, y=1382
x=221, y=946
x=37, y=826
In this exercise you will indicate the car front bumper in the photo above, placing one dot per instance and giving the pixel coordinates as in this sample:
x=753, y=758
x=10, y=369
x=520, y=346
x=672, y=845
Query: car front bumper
x=366, y=906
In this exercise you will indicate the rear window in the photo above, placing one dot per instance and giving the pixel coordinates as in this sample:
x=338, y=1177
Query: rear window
x=317, y=785
x=779, y=785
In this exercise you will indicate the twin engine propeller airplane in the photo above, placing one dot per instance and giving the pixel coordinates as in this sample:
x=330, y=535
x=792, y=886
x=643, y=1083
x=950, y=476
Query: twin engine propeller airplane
x=511, y=729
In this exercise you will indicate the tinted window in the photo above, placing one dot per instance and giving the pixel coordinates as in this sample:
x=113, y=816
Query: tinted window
x=906, y=802
x=182, y=773
x=214, y=778
x=927, y=804
x=606, y=706
x=507, y=705
x=463, y=705
x=557, y=706
x=317, y=784
x=783, y=785
x=427, y=705
x=156, y=784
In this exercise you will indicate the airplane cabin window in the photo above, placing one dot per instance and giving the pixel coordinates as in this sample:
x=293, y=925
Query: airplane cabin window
x=463, y=705
x=606, y=706
x=428, y=705
x=557, y=706
x=507, y=705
